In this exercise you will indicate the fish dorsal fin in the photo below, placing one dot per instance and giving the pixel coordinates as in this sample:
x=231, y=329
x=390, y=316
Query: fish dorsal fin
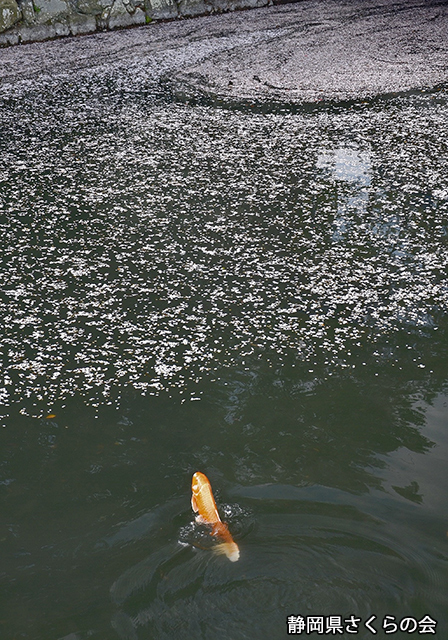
x=194, y=504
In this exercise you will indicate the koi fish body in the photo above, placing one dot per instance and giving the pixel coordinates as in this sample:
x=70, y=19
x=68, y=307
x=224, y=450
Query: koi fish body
x=203, y=503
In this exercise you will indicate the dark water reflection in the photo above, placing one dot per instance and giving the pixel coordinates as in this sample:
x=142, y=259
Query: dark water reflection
x=259, y=296
x=336, y=496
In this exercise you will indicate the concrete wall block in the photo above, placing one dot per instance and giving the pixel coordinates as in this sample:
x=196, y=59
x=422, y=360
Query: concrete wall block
x=50, y=11
x=9, y=37
x=194, y=7
x=80, y=24
x=62, y=29
x=220, y=6
x=125, y=15
x=162, y=9
x=250, y=4
x=37, y=32
x=132, y=5
x=38, y=20
x=92, y=7
x=28, y=14
x=118, y=9
x=127, y=19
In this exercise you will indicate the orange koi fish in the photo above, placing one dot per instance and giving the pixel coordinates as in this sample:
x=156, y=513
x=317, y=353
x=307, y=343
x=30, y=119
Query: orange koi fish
x=203, y=503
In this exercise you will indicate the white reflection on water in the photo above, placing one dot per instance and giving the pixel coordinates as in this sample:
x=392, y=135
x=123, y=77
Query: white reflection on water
x=353, y=166
x=347, y=163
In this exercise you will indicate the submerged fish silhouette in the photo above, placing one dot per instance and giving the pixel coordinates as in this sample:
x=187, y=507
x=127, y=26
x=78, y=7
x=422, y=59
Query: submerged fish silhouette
x=203, y=503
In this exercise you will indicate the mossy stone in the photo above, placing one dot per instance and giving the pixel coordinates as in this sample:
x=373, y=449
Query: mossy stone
x=9, y=14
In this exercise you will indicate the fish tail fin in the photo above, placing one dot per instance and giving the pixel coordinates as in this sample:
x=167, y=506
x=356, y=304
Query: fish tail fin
x=228, y=549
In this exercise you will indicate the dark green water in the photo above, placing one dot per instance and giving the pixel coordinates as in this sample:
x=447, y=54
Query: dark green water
x=261, y=297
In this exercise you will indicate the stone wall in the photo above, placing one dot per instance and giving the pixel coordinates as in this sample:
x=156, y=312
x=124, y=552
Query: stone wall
x=34, y=20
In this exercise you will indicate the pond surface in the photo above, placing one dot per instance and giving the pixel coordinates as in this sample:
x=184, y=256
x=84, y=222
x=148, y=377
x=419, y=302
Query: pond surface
x=260, y=296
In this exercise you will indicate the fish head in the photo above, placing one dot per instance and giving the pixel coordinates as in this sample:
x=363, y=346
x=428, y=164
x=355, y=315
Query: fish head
x=198, y=481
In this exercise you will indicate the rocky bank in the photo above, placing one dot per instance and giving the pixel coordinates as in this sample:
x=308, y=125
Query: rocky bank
x=308, y=52
x=36, y=20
